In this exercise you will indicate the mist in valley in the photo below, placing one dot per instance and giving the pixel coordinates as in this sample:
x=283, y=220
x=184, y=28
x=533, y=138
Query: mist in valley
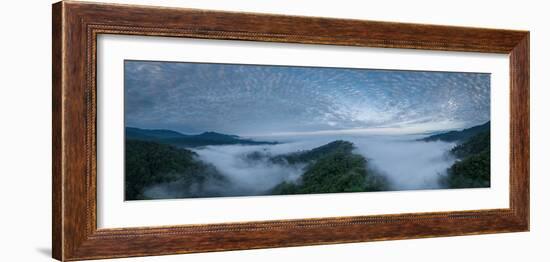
x=406, y=162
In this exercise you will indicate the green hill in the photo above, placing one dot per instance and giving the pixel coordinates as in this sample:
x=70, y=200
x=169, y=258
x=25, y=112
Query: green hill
x=474, y=145
x=473, y=169
x=331, y=168
x=315, y=153
x=149, y=163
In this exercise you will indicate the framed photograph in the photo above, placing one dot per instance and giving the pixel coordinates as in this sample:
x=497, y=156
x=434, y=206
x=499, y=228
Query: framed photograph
x=181, y=130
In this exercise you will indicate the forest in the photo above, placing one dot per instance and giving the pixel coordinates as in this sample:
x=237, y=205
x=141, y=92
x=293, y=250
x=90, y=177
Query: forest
x=163, y=164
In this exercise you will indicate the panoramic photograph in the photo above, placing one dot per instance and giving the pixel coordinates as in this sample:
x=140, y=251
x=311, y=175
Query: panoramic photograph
x=197, y=130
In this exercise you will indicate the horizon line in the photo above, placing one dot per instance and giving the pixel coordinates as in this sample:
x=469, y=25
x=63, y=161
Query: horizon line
x=417, y=129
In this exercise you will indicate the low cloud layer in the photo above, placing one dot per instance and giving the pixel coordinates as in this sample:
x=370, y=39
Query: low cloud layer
x=250, y=176
x=407, y=164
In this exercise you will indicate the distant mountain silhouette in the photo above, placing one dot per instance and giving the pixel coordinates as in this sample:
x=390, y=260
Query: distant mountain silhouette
x=463, y=135
x=151, y=134
x=182, y=140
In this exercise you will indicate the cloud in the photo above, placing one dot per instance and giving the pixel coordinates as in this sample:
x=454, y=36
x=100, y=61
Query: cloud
x=240, y=99
x=409, y=165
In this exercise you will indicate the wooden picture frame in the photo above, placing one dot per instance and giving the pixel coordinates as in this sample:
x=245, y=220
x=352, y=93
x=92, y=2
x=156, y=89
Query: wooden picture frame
x=76, y=26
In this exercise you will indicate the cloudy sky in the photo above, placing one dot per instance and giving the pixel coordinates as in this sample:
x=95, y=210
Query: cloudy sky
x=267, y=100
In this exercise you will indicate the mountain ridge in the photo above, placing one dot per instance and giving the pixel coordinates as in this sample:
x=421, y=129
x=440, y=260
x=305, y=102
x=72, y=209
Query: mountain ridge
x=166, y=136
x=459, y=135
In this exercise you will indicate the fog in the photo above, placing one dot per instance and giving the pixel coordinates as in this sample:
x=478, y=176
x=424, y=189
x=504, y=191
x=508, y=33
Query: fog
x=408, y=164
x=251, y=177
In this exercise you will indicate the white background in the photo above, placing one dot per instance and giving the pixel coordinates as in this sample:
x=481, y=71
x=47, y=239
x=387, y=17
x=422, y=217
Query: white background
x=25, y=147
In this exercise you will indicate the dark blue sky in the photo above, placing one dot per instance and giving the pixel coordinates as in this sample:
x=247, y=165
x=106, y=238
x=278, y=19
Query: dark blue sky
x=258, y=100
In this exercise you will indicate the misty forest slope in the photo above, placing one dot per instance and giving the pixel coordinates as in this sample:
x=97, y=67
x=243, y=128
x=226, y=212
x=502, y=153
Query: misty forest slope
x=165, y=164
x=150, y=163
x=181, y=140
x=155, y=170
x=473, y=169
x=331, y=168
